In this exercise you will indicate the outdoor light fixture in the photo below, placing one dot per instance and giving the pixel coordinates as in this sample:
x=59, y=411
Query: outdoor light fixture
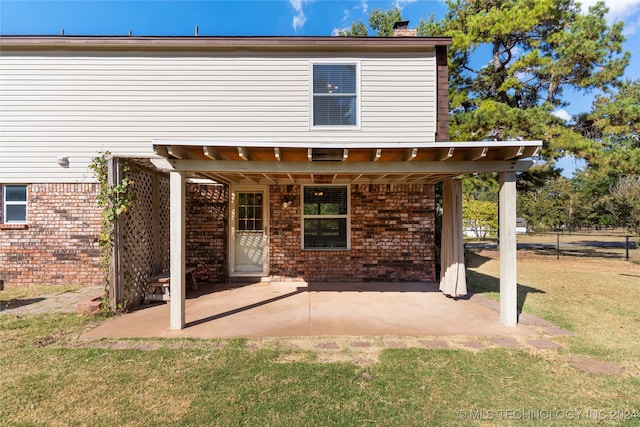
x=63, y=161
x=287, y=200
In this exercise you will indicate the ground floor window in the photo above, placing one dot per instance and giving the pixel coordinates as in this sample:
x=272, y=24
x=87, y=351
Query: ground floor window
x=14, y=204
x=325, y=217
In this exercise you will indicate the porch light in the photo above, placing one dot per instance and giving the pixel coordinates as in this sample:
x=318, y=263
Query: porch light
x=63, y=161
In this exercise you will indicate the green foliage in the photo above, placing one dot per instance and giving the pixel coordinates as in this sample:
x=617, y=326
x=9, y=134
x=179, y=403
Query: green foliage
x=538, y=49
x=380, y=21
x=624, y=203
x=613, y=131
x=480, y=216
x=550, y=205
x=114, y=200
x=357, y=30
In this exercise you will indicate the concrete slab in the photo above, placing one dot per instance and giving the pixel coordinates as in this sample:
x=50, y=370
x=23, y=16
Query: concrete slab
x=287, y=309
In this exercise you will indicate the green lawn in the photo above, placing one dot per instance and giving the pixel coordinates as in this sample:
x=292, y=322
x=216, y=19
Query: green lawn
x=48, y=377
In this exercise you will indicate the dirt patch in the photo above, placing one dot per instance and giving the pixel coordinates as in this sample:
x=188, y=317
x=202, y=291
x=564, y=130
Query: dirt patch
x=595, y=366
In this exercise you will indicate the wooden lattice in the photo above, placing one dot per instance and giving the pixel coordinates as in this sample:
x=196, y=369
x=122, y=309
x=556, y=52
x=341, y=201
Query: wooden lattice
x=143, y=244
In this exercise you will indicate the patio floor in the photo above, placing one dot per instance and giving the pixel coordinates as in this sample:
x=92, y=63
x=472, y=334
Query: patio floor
x=289, y=309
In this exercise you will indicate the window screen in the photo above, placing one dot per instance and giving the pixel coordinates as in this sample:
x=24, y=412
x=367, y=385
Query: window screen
x=335, y=95
x=15, y=204
x=325, y=213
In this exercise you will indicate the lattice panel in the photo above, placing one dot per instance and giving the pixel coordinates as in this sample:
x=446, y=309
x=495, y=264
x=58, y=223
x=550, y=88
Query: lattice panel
x=163, y=217
x=136, y=239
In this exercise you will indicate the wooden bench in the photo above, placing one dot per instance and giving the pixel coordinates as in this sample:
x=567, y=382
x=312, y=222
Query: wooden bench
x=159, y=285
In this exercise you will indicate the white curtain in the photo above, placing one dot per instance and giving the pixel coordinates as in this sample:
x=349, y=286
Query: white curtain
x=453, y=281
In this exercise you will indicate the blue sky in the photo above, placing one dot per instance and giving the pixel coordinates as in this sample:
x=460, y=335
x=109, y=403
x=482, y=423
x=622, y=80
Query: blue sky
x=253, y=18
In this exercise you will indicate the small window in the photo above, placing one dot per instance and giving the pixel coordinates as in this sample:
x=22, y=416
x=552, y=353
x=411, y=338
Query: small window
x=14, y=199
x=325, y=217
x=250, y=211
x=335, y=95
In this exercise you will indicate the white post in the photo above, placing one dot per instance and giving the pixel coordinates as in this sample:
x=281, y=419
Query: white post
x=177, y=263
x=507, y=236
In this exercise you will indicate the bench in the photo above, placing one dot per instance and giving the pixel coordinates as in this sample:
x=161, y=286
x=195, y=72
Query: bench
x=159, y=285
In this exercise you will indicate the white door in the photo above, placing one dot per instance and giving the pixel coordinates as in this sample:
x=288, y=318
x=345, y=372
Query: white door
x=248, y=232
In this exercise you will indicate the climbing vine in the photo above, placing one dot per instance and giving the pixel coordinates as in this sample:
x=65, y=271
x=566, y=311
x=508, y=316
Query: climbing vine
x=115, y=199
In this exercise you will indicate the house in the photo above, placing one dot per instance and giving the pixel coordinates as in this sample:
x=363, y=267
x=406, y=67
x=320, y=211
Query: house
x=288, y=158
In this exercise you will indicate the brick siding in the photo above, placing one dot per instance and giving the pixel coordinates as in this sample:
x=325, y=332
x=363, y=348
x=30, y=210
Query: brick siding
x=392, y=237
x=206, y=231
x=59, y=245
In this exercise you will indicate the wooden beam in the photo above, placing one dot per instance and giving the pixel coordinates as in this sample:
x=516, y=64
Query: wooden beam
x=244, y=155
x=220, y=178
x=276, y=153
x=161, y=150
x=178, y=152
x=477, y=153
x=377, y=155
x=410, y=154
x=310, y=154
x=445, y=154
x=345, y=154
x=353, y=168
x=512, y=153
x=211, y=152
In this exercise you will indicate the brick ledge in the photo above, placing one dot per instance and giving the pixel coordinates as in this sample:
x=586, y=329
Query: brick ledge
x=14, y=226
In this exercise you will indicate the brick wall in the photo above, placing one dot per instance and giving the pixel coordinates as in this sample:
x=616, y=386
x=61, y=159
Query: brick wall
x=206, y=230
x=392, y=237
x=59, y=245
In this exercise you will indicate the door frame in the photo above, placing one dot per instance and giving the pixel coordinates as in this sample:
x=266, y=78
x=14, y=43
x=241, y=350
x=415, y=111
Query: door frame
x=233, y=189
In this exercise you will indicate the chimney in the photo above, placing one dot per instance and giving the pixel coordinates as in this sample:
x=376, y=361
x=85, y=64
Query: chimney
x=401, y=29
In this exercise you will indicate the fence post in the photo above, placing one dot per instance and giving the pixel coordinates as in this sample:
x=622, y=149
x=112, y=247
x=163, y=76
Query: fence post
x=558, y=246
x=626, y=247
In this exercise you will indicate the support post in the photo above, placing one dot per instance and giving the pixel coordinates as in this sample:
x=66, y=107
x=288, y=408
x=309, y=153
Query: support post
x=115, y=288
x=507, y=236
x=177, y=263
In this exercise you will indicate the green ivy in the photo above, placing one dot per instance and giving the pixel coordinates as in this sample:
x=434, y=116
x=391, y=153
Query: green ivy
x=114, y=200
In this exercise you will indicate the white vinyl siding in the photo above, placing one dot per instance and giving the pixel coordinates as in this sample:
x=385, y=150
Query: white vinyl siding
x=77, y=105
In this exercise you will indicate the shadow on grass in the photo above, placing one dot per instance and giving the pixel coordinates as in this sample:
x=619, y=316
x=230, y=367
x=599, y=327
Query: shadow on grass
x=479, y=283
x=578, y=253
x=16, y=303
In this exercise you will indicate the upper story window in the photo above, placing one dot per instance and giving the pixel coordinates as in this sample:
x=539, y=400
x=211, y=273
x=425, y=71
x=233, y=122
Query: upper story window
x=335, y=94
x=14, y=204
x=325, y=217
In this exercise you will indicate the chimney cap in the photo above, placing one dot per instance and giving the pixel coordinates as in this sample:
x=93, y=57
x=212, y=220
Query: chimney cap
x=401, y=25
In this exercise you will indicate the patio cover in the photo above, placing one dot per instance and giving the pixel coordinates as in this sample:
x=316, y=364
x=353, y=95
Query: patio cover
x=282, y=163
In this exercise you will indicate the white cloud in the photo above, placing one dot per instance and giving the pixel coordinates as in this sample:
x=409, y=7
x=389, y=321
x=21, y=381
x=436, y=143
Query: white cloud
x=299, y=19
x=400, y=4
x=631, y=28
x=562, y=114
x=364, y=5
x=618, y=9
x=336, y=31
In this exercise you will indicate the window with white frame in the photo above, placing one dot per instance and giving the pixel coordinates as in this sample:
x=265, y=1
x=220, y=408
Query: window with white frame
x=325, y=217
x=14, y=204
x=335, y=94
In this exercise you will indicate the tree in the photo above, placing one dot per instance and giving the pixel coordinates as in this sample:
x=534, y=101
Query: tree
x=537, y=50
x=379, y=20
x=613, y=131
x=550, y=205
x=480, y=216
x=624, y=203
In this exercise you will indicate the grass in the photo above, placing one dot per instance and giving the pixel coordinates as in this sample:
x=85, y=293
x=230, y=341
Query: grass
x=593, y=297
x=50, y=377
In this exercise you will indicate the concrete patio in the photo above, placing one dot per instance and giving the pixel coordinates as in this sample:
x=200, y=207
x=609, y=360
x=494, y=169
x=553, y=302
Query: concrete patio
x=289, y=309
